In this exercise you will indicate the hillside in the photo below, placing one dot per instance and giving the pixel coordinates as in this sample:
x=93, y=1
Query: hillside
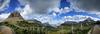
x=36, y=27
x=18, y=25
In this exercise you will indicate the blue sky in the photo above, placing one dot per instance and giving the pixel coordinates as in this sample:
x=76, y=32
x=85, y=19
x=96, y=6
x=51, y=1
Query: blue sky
x=66, y=12
x=15, y=3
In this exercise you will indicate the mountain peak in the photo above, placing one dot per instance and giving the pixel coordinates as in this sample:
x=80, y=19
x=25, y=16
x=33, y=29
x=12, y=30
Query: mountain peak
x=14, y=14
x=88, y=19
x=14, y=17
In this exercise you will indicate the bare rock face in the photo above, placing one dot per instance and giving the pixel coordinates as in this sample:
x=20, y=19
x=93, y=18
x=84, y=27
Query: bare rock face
x=14, y=17
x=6, y=30
x=15, y=14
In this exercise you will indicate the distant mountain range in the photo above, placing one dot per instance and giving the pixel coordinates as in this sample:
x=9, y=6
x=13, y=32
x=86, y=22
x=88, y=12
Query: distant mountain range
x=37, y=26
x=88, y=20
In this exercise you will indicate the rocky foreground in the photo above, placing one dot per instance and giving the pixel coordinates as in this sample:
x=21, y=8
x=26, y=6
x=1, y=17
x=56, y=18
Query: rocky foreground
x=6, y=30
x=95, y=30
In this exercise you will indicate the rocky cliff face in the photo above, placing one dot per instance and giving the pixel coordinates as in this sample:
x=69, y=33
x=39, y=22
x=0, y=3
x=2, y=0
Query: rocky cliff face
x=14, y=17
x=15, y=14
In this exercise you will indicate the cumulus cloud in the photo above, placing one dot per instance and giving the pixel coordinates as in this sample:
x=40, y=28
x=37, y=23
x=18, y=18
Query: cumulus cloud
x=34, y=9
x=27, y=13
x=87, y=5
x=4, y=4
x=65, y=10
x=26, y=10
x=75, y=18
x=95, y=13
x=58, y=11
x=4, y=16
x=41, y=6
x=78, y=18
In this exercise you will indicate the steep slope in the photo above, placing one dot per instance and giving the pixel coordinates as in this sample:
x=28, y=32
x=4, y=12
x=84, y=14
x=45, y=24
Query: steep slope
x=14, y=17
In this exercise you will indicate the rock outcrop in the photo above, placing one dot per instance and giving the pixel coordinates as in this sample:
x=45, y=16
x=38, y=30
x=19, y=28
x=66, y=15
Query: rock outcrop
x=14, y=17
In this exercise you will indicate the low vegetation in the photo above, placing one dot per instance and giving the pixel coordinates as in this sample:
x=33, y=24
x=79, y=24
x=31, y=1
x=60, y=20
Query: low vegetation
x=24, y=27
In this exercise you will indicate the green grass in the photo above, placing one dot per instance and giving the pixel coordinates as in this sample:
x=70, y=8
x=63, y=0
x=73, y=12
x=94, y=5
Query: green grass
x=37, y=28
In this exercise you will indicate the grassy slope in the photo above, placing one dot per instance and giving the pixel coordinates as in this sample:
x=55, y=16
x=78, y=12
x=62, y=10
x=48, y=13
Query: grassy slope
x=24, y=27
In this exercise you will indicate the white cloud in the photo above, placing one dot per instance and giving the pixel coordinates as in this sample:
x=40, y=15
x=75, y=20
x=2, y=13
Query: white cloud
x=30, y=12
x=4, y=4
x=34, y=8
x=88, y=6
x=41, y=6
x=26, y=10
x=75, y=18
x=57, y=11
x=95, y=19
x=4, y=16
x=66, y=9
x=78, y=18
x=60, y=11
x=95, y=13
x=27, y=13
x=54, y=14
x=44, y=19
